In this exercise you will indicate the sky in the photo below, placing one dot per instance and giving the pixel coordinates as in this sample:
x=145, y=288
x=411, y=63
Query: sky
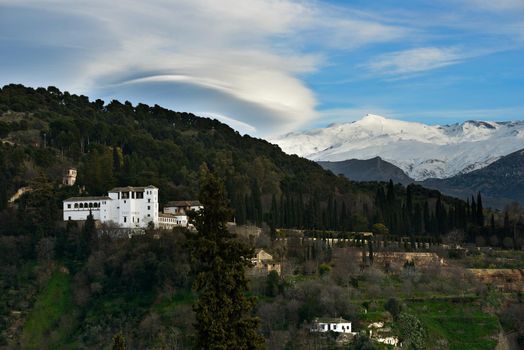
x=267, y=67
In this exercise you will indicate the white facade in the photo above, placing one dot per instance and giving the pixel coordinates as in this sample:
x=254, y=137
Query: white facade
x=337, y=325
x=168, y=221
x=175, y=213
x=127, y=207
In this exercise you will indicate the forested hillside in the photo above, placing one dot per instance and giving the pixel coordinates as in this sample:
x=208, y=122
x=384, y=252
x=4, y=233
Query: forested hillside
x=69, y=286
x=45, y=131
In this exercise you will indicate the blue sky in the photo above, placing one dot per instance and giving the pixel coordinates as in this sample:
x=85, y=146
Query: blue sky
x=269, y=67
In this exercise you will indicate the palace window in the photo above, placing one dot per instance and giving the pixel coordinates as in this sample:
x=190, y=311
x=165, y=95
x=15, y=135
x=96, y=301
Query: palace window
x=139, y=195
x=125, y=219
x=125, y=195
x=148, y=207
x=69, y=206
x=76, y=205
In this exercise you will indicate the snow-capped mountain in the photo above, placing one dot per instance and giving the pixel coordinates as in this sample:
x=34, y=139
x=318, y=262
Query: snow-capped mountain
x=422, y=151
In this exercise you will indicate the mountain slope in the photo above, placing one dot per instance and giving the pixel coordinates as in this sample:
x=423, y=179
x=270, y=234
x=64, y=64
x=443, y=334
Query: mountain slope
x=421, y=151
x=46, y=131
x=500, y=183
x=374, y=169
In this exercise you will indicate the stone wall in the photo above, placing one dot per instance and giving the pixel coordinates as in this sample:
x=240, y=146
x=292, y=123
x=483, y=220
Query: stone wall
x=508, y=280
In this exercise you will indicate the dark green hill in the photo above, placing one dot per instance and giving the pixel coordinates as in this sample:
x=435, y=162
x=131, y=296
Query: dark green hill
x=374, y=169
x=45, y=131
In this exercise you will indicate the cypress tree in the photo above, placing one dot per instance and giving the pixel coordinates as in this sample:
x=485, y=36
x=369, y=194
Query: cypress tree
x=417, y=219
x=427, y=219
x=343, y=221
x=240, y=212
x=257, y=203
x=273, y=214
x=480, y=211
x=409, y=199
x=87, y=237
x=223, y=319
x=473, y=213
x=390, y=197
x=506, y=222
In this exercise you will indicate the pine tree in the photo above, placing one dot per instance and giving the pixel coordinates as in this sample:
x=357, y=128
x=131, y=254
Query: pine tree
x=223, y=319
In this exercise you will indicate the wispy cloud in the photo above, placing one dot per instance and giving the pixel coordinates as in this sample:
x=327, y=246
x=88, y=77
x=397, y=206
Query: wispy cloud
x=243, y=59
x=416, y=60
x=265, y=66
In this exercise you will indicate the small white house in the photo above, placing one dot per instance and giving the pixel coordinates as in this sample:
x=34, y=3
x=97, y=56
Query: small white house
x=337, y=325
x=175, y=213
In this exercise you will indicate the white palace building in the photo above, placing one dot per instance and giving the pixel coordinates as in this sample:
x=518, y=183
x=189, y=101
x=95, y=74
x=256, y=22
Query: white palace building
x=127, y=207
x=130, y=207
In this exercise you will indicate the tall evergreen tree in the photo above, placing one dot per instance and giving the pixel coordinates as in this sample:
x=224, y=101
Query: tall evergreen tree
x=87, y=236
x=480, y=211
x=223, y=319
x=257, y=203
x=426, y=218
x=473, y=212
x=506, y=222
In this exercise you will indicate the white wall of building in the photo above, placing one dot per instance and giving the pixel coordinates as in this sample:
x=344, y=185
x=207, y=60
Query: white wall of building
x=337, y=327
x=79, y=209
x=128, y=207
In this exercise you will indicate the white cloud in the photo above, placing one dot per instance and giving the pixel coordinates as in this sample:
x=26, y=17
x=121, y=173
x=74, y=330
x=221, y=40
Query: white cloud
x=415, y=60
x=249, y=53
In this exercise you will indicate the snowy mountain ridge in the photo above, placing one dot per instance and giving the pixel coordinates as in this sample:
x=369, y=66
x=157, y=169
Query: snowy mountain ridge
x=422, y=151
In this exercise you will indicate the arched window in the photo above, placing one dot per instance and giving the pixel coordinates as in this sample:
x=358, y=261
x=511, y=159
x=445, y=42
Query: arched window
x=81, y=205
x=86, y=205
x=90, y=205
x=76, y=205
